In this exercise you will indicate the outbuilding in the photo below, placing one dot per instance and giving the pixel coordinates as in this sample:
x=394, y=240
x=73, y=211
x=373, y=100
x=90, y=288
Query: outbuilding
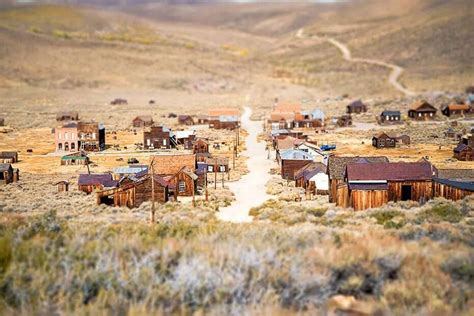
x=142, y=121
x=313, y=178
x=356, y=107
x=383, y=140
x=422, y=110
x=390, y=117
x=456, y=110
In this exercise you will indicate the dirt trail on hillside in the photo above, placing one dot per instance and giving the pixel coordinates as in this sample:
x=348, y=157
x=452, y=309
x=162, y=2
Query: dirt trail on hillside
x=250, y=191
x=396, y=71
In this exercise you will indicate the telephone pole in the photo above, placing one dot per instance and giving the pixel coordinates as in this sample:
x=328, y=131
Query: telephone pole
x=152, y=215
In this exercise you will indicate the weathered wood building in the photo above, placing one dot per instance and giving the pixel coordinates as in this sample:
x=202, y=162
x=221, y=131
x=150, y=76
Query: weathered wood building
x=186, y=139
x=224, y=118
x=63, y=186
x=313, y=178
x=383, y=140
x=373, y=185
x=456, y=110
x=463, y=152
x=89, y=183
x=421, y=111
x=185, y=120
x=158, y=137
x=337, y=168
x=8, y=174
x=142, y=121
x=344, y=121
x=170, y=163
x=8, y=157
x=451, y=189
x=356, y=107
x=291, y=161
x=390, y=117
x=185, y=182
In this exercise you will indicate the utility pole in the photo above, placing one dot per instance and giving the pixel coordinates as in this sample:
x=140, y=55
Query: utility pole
x=215, y=173
x=152, y=217
x=207, y=192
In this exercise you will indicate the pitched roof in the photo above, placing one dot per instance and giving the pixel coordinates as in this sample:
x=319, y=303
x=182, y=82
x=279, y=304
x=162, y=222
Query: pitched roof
x=337, y=164
x=389, y=171
x=310, y=170
x=468, y=186
x=130, y=169
x=456, y=174
x=169, y=163
x=285, y=116
x=293, y=154
x=278, y=132
x=356, y=104
x=288, y=142
x=8, y=154
x=383, y=134
x=368, y=186
x=5, y=166
x=104, y=179
x=461, y=147
x=224, y=112
x=188, y=172
x=417, y=106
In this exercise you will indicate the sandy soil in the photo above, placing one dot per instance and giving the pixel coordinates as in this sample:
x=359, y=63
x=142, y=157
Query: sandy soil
x=250, y=191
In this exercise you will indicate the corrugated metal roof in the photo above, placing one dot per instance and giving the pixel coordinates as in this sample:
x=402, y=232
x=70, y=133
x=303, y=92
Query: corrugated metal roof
x=185, y=134
x=337, y=164
x=368, y=186
x=292, y=154
x=468, y=186
x=5, y=166
x=228, y=118
x=104, y=179
x=391, y=113
x=390, y=171
x=130, y=169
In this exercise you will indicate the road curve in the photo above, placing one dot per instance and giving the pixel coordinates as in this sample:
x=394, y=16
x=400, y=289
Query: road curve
x=250, y=190
x=396, y=71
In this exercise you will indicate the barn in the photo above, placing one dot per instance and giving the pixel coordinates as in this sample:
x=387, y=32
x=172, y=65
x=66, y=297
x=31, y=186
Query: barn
x=375, y=184
x=337, y=168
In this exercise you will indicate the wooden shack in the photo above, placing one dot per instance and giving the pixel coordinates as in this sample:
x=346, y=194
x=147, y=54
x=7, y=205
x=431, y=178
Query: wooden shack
x=7, y=173
x=63, y=186
x=383, y=140
x=356, y=107
x=390, y=117
x=186, y=139
x=421, y=111
x=463, y=152
x=185, y=120
x=142, y=121
x=337, y=167
x=456, y=110
x=185, y=182
x=67, y=116
x=291, y=161
x=373, y=185
x=132, y=193
x=313, y=178
x=8, y=157
x=217, y=164
x=89, y=183
x=224, y=118
x=403, y=139
x=201, y=146
x=202, y=119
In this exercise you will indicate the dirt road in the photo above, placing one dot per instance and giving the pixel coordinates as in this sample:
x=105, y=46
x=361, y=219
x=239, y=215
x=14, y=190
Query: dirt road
x=396, y=71
x=249, y=191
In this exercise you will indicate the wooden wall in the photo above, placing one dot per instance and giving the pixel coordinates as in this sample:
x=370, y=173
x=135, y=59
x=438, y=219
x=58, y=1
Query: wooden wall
x=421, y=190
x=90, y=188
x=364, y=199
x=188, y=181
x=333, y=183
x=341, y=195
x=448, y=192
x=289, y=167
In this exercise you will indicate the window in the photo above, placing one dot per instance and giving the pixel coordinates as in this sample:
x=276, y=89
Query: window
x=182, y=186
x=210, y=168
x=222, y=168
x=93, y=135
x=73, y=146
x=419, y=114
x=66, y=146
x=396, y=118
x=66, y=135
x=59, y=135
x=148, y=142
x=60, y=146
x=388, y=118
x=164, y=141
x=431, y=114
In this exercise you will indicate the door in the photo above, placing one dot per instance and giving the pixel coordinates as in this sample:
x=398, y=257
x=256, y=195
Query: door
x=406, y=192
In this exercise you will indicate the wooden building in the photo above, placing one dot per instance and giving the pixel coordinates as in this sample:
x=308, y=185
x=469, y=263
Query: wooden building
x=185, y=120
x=158, y=137
x=422, y=111
x=450, y=133
x=463, y=152
x=133, y=192
x=63, y=186
x=89, y=183
x=186, y=139
x=185, y=182
x=291, y=161
x=344, y=121
x=217, y=165
x=8, y=157
x=224, y=118
x=337, y=167
x=403, y=139
x=313, y=178
x=8, y=174
x=130, y=170
x=142, y=121
x=375, y=184
x=452, y=189
x=383, y=140
x=390, y=117
x=75, y=159
x=356, y=107
x=202, y=119
x=282, y=120
x=456, y=110
x=67, y=116
x=201, y=146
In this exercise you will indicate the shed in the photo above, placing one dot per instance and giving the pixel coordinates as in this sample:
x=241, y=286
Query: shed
x=383, y=140
x=74, y=159
x=344, y=121
x=90, y=182
x=463, y=152
x=202, y=119
x=185, y=182
x=119, y=101
x=356, y=107
x=8, y=157
x=201, y=145
x=291, y=161
x=422, y=110
x=450, y=133
x=6, y=173
x=313, y=178
x=403, y=139
x=63, y=186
